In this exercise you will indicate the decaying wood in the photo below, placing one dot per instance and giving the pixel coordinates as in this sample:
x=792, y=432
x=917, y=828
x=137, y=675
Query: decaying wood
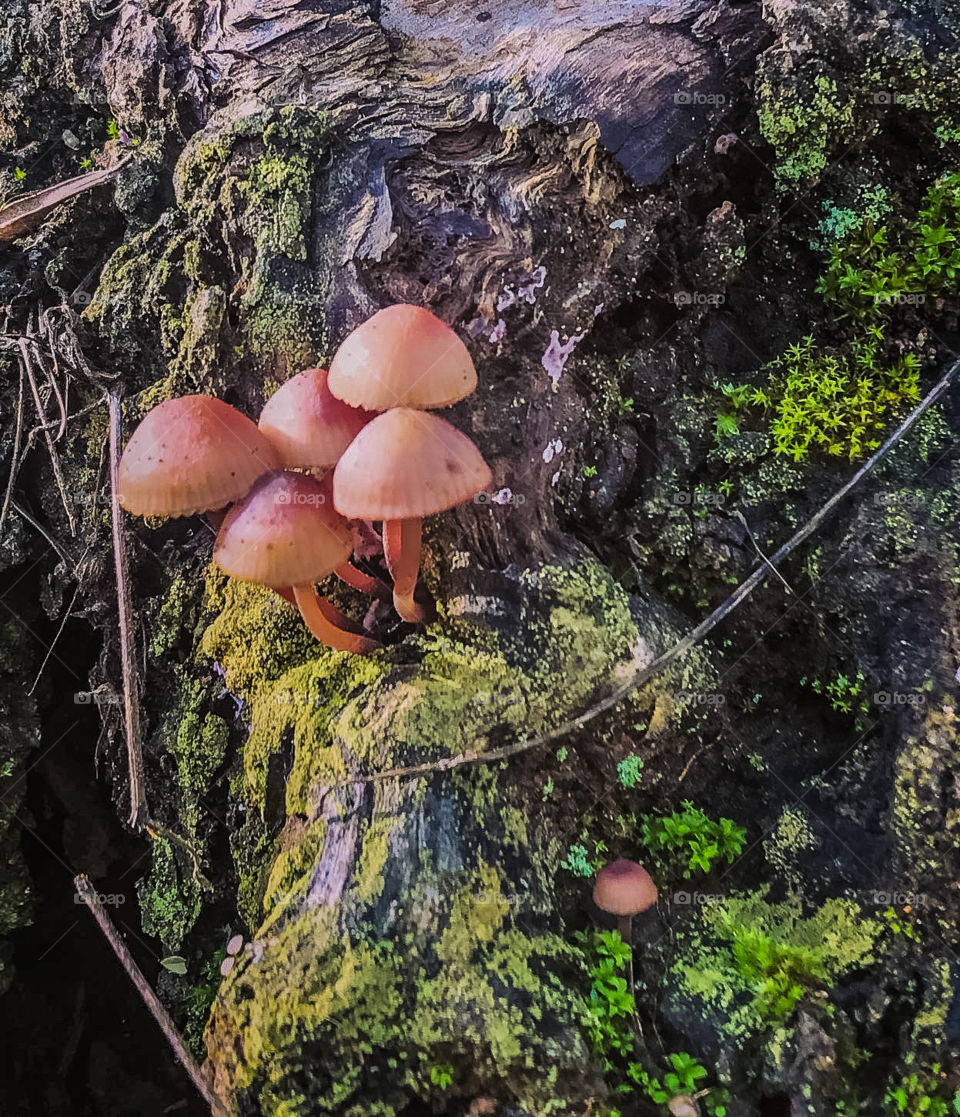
x=690, y=640
x=495, y=169
x=475, y=166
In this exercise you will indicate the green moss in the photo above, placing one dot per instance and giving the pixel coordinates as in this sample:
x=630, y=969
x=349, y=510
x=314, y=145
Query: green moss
x=788, y=845
x=279, y=191
x=169, y=897
x=244, y=198
x=373, y=858
x=813, y=103
x=925, y=826
x=802, y=125
x=376, y=1028
x=300, y=846
x=334, y=707
x=198, y=742
x=477, y=986
x=745, y=961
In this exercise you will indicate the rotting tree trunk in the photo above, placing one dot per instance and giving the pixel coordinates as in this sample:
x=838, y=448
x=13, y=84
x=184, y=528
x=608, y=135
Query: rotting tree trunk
x=489, y=165
x=496, y=165
x=575, y=188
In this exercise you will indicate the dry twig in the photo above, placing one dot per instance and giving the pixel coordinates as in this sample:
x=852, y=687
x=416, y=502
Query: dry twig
x=139, y=812
x=89, y=895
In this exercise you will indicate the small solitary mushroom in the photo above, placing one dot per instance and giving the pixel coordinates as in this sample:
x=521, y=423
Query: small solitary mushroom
x=403, y=356
x=286, y=533
x=682, y=1105
x=624, y=888
x=310, y=429
x=402, y=466
x=192, y=454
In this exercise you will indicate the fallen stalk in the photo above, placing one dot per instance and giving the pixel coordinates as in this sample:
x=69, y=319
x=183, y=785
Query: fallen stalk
x=23, y=214
x=139, y=812
x=89, y=896
x=693, y=637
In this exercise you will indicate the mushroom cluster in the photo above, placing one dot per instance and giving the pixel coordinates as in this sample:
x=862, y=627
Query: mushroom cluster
x=357, y=443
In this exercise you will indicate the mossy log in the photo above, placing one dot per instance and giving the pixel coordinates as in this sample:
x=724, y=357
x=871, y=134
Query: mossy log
x=490, y=165
x=546, y=178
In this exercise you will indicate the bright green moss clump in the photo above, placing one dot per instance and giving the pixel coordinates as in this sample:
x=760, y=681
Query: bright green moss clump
x=169, y=897
x=749, y=963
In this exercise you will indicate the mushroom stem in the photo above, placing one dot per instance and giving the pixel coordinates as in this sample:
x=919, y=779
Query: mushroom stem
x=625, y=926
x=401, y=549
x=329, y=610
x=365, y=583
x=315, y=617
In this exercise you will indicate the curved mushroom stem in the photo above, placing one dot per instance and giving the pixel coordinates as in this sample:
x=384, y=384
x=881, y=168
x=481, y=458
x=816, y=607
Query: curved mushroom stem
x=329, y=610
x=401, y=549
x=365, y=583
x=315, y=617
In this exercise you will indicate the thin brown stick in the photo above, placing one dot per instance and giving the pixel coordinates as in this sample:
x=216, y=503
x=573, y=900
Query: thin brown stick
x=693, y=637
x=89, y=895
x=14, y=454
x=139, y=812
x=41, y=414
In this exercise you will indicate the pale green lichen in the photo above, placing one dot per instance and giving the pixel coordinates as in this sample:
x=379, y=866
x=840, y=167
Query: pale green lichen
x=487, y=1002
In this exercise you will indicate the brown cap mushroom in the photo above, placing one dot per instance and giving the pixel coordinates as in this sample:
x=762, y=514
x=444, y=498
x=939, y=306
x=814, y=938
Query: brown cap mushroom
x=403, y=356
x=308, y=425
x=190, y=455
x=403, y=465
x=285, y=532
x=624, y=888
